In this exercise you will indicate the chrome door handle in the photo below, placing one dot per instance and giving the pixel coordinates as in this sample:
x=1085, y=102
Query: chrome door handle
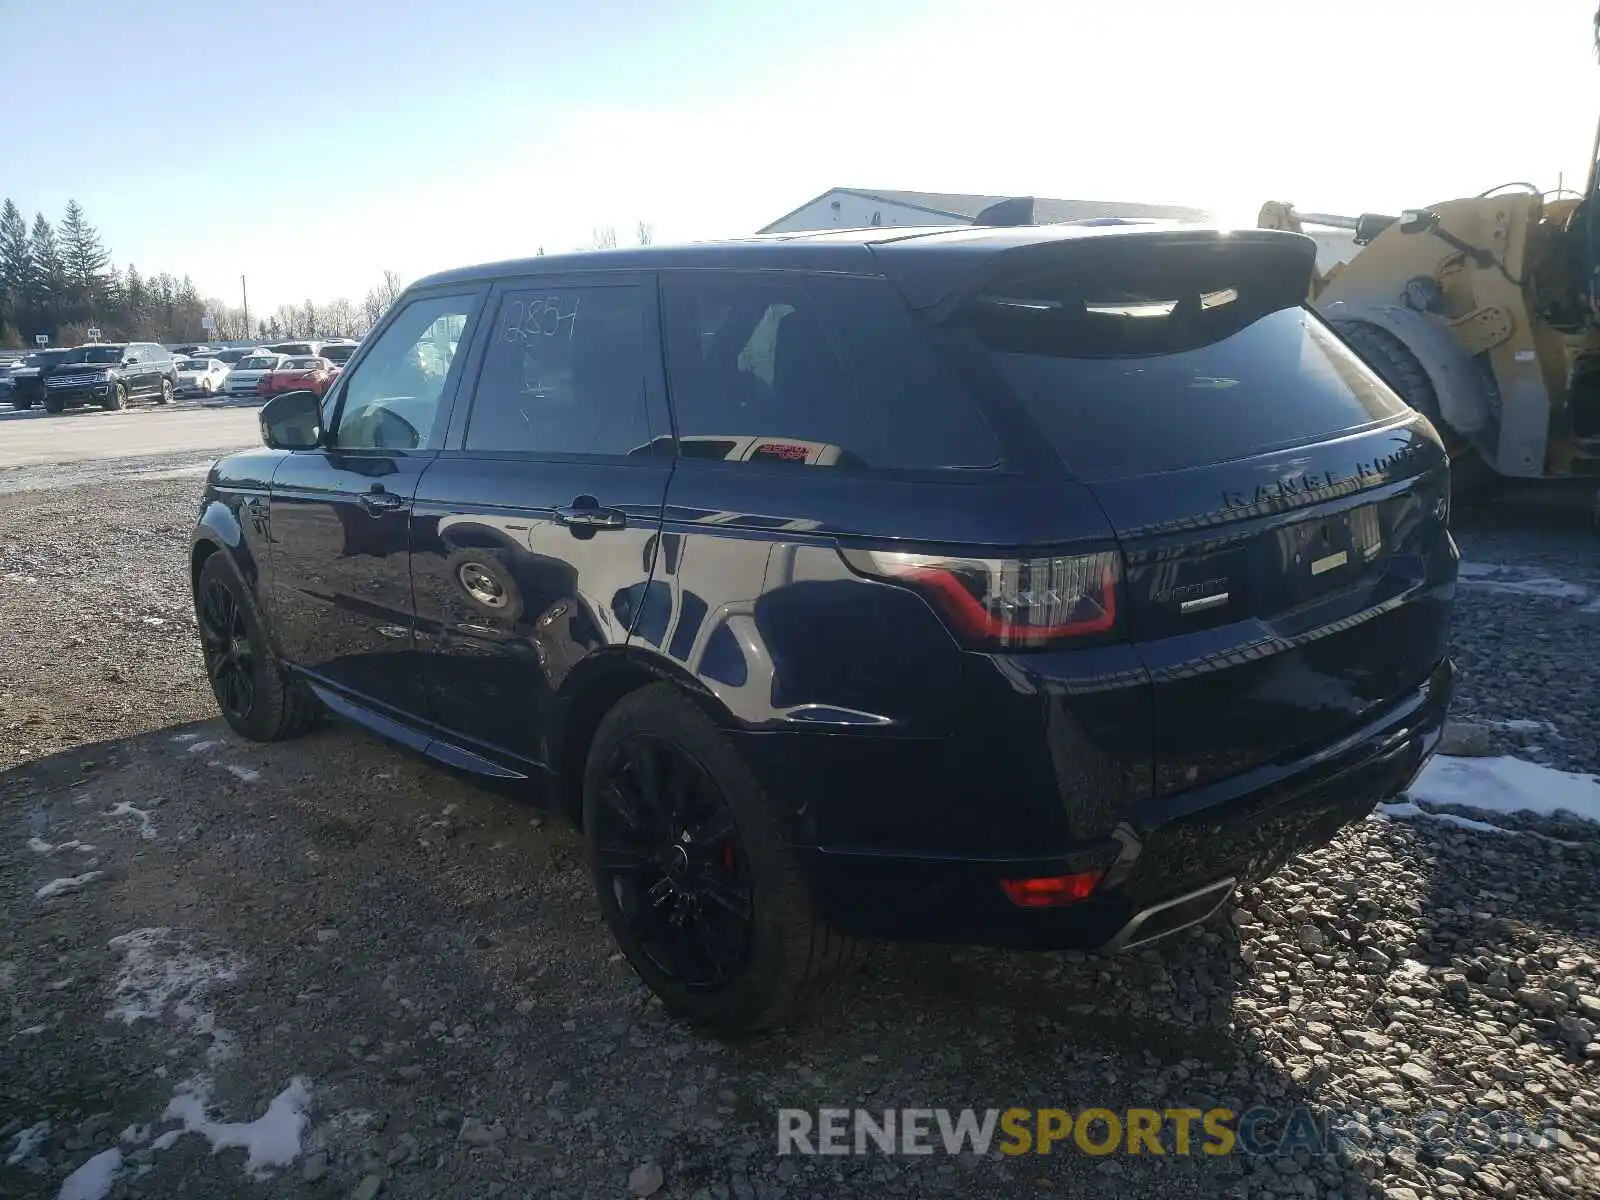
x=378, y=501
x=591, y=518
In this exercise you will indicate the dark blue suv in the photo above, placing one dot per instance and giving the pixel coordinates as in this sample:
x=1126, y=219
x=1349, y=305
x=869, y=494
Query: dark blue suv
x=1020, y=586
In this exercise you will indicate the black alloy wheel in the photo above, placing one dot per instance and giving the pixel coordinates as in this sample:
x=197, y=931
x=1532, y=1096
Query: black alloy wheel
x=225, y=641
x=667, y=849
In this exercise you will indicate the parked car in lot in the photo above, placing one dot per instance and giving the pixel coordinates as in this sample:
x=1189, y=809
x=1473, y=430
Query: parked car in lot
x=1022, y=586
x=233, y=355
x=339, y=352
x=110, y=374
x=23, y=387
x=247, y=373
x=301, y=374
x=202, y=376
x=297, y=349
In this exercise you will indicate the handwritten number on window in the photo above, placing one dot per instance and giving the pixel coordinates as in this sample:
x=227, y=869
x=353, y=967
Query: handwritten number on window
x=540, y=316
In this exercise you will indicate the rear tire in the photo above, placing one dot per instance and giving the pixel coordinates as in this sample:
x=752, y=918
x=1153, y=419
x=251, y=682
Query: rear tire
x=118, y=399
x=256, y=696
x=166, y=392
x=1470, y=477
x=745, y=890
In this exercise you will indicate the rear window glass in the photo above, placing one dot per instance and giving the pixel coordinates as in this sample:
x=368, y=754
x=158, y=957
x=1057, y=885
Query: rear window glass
x=1173, y=366
x=821, y=371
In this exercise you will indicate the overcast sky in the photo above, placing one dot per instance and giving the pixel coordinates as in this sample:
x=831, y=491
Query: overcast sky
x=310, y=145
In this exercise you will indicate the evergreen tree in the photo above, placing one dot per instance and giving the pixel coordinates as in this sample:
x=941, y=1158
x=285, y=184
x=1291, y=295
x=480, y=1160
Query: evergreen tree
x=135, y=304
x=84, y=255
x=52, y=282
x=18, y=271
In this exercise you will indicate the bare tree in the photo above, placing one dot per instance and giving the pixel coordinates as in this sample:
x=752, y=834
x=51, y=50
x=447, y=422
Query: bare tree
x=647, y=233
x=605, y=239
x=339, y=319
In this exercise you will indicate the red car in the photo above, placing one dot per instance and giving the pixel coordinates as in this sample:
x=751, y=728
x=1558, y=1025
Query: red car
x=303, y=374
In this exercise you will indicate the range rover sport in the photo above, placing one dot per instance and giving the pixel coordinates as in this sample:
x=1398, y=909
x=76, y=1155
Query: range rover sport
x=1020, y=586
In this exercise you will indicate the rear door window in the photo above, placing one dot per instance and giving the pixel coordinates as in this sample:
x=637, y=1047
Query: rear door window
x=1164, y=362
x=564, y=373
x=816, y=371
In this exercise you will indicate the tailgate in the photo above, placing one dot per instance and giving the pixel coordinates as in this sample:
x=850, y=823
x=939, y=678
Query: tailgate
x=1281, y=512
x=1282, y=600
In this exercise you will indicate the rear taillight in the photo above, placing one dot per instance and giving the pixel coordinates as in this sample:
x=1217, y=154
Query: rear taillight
x=1051, y=890
x=1007, y=603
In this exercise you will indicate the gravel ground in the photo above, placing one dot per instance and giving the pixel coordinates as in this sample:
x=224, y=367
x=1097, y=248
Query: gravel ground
x=326, y=936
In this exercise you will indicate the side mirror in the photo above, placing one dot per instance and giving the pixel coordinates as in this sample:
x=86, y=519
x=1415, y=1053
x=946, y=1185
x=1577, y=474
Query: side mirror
x=292, y=421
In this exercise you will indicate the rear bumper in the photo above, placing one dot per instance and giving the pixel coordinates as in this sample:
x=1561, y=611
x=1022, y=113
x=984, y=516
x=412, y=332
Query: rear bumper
x=1171, y=864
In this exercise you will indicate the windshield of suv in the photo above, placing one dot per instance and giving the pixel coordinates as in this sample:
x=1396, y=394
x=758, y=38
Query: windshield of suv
x=292, y=348
x=95, y=354
x=302, y=364
x=257, y=363
x=338, y=355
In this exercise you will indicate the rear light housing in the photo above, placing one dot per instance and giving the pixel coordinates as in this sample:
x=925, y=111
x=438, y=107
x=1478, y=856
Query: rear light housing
x=1050, y=891
x=1008, y=603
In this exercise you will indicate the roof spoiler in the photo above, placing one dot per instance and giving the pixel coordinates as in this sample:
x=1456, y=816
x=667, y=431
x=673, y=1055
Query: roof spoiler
x=1015, y=210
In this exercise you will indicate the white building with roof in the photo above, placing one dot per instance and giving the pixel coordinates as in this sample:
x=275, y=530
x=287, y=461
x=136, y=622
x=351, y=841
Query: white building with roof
x=858, y=208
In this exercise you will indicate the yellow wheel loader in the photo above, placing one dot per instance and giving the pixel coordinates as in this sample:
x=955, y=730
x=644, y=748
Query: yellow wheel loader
x=1484, y=314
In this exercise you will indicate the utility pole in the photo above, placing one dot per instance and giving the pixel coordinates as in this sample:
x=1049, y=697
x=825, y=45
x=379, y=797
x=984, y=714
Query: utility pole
x=245, y=293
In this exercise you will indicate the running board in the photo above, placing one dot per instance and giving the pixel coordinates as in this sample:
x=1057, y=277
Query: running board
x=439, y=750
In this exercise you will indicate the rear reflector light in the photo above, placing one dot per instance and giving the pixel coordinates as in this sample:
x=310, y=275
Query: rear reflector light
x=1051, y=890
x=1007, y=603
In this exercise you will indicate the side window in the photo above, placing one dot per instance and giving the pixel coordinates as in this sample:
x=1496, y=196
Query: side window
x=564, y=373
x=816, y=371
x=391, y=399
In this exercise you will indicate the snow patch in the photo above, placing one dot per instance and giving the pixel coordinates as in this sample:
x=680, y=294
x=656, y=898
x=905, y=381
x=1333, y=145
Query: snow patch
x=1507, y=785
x=93, y=1180
x=40, y=846
x=245, y=774
x=1410, y=966
x=160, y=970
x=180, y=738
x=1522, y=725
x=72, y=883
x=271, y=1140
x=135, y=1134
x=167, y=1140
x=198, y=747
x=1519, y=581
x=147, y=827
x=28, y=1141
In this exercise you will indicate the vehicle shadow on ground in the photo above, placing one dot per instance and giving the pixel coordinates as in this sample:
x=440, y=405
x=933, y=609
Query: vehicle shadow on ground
x=22, y=414
x=453, y=929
